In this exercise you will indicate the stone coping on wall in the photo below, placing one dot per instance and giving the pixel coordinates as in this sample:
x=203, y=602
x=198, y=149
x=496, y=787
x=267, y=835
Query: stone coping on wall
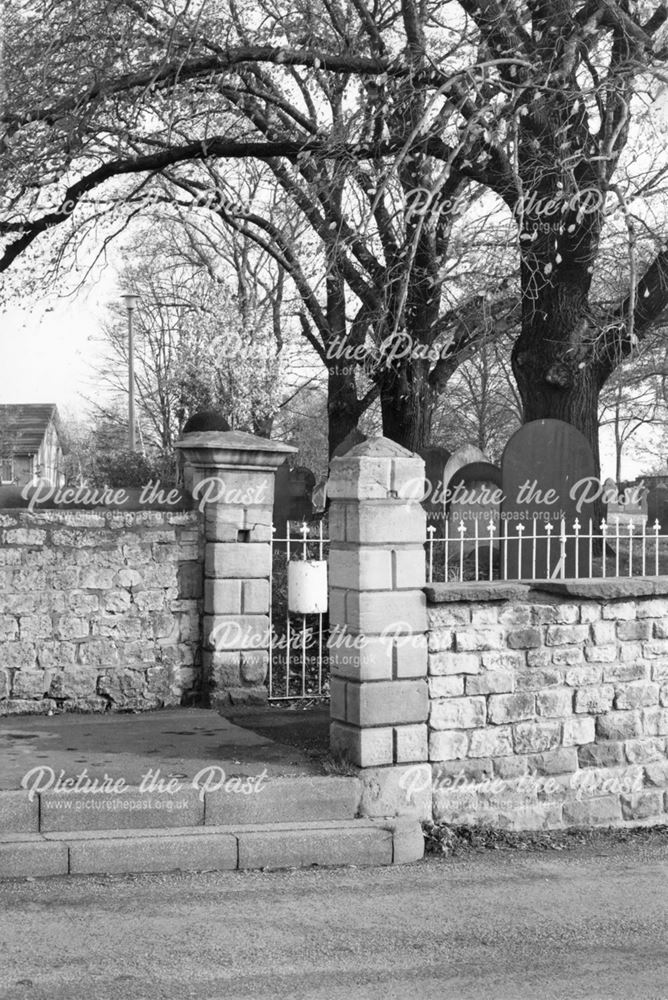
x=154, y=497
x=508, y=590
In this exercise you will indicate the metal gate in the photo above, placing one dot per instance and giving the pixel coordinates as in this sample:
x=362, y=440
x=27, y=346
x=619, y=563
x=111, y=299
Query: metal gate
x=299, y=627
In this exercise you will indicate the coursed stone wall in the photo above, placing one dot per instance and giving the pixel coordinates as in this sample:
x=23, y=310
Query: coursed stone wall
x=549, y=709
x=99, y=610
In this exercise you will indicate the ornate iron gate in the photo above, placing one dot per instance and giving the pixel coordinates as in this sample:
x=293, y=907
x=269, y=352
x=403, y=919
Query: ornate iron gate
x=298, y=660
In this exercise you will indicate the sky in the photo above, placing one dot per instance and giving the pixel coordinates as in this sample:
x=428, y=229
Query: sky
x=47, y=348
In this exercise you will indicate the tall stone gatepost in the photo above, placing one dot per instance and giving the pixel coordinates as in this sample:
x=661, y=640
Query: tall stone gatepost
x=378, y=624
x=230, y=475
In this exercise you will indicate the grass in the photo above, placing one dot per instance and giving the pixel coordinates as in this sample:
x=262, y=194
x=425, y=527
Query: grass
x=444, y=840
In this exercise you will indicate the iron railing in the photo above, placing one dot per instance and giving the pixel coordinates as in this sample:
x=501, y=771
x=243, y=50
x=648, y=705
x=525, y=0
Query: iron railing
x=540, y=550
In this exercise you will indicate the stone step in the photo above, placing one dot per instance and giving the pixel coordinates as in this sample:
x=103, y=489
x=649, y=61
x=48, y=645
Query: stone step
x=240, y=802
x=212, y=848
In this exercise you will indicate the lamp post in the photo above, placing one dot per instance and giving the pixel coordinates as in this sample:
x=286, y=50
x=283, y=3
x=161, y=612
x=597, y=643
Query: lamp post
x=131, y=300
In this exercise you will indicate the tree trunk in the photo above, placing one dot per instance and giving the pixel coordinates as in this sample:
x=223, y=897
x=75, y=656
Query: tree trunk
x=343, y=408
x=407, y=405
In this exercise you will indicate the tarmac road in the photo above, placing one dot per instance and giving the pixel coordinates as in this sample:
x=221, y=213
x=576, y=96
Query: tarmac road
x=586, y=923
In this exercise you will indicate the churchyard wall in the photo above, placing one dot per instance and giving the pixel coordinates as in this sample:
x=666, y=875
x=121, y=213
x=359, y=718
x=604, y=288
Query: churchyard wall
x=549, y=709
x=100, y=609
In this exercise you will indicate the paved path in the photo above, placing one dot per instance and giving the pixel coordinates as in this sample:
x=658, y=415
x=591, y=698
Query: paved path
x=500, y=926
x=177, y=741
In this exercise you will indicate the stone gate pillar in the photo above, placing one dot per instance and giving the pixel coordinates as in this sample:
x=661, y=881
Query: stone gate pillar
x=378, y=624
x=230, y=475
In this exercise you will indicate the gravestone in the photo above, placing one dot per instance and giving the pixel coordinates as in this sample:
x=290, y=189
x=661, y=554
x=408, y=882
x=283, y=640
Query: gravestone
x=542, y=463
x=292, y=497
x=657, y=501
x=628, y=507
x=475, y=502
x=465, y=455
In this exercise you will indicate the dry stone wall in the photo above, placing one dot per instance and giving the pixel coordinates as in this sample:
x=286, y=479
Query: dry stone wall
x=549, y=710
x=99, y=610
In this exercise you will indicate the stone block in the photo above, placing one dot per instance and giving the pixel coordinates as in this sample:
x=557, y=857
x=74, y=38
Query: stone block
x=441, y=639
x=516, y=615
x=622, y=672
x=604, y=633
x=619, y=726
x=560, y=761
x=619, y=611
x=304, y=799
x=490, y=682
x=656, y=648
x=654, y=722
x=222, y=597
x=448, y=687
x=604, y=811
x=634, y=630
x=554, y=703
x=577, y=732
x=448, y=615
x=601, y=654
x=397, y=791
x=364, y=747
x=594, y=699
x=254, y=667
x=382, y=703
x=539, y=658
x=354, y=844
x=491, y=742
x=457, y=713
x=448, y=745
x=567, y=656
x=564, y=635
x=470, y=640
x=368, y=568
x=484, y=615
x=638, y=695
x=504, y=708
x=129, y=809
x=380, y=523
x=645, y=751
x=73, y=682
x=238, y=560
x=536, y=737
x=656, y=773
x=526, y=638
x=657, y=608
x=584, y=676
x=502, y=660
x=590, y=613
x=385, y=612
x=410, y=744
x=144, y=851
x=447, y=663
x=534, y=680
x=222, y=632
x=370, y=658
x=605, y=754
x=642, y=805
x=30, y=684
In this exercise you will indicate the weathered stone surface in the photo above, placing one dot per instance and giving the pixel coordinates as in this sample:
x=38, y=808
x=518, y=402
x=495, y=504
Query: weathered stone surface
x=457, y=713
x=504, y=708
x=440, y=593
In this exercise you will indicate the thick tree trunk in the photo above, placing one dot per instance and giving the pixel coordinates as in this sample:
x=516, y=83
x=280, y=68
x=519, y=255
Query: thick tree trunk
x=343, y=407
x=407, y=406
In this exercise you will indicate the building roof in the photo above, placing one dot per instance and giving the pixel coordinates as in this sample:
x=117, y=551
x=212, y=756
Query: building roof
x=22, y=426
